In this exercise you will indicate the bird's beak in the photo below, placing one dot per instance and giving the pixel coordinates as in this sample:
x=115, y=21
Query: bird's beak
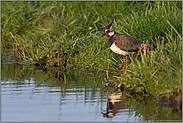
x=103, y=35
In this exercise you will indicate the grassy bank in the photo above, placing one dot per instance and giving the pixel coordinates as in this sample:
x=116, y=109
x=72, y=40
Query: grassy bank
x=68, y=34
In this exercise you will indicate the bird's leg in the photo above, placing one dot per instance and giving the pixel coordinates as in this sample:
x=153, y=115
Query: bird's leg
x=121, y=65
x=123, y=62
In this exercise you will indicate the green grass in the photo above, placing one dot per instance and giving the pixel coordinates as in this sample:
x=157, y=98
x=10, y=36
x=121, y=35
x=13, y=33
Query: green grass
x=59, y=31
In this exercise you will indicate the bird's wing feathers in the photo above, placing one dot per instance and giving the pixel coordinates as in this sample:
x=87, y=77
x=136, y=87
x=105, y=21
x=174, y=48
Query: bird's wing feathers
x=127, y=43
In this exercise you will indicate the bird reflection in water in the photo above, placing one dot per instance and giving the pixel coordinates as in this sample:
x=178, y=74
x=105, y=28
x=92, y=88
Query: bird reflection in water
x=114, y=103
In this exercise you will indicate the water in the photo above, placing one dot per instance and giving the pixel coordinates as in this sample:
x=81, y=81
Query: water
x=30, y=94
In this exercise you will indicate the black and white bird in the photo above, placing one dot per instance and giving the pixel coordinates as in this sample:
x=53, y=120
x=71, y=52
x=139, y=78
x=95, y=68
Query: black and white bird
x=122, y=44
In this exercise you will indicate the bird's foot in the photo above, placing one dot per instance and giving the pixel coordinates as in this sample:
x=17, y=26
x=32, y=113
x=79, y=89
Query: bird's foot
x=121, y=67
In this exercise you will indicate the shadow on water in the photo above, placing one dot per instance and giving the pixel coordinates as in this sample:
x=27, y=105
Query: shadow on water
x=76, y=87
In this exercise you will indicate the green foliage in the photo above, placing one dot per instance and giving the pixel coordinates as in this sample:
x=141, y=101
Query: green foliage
x=68, y=34
x=159, y=72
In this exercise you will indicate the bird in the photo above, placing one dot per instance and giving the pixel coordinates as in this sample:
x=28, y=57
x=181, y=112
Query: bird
x=122, y=44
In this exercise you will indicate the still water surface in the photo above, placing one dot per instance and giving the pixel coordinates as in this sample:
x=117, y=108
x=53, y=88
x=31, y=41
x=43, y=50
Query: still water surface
x=22, y=100
x=30, y=94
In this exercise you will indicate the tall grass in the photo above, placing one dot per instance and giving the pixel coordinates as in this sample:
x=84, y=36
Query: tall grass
x=60, y=33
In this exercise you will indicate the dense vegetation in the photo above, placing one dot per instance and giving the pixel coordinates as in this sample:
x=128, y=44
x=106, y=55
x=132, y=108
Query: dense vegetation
x=68, y=34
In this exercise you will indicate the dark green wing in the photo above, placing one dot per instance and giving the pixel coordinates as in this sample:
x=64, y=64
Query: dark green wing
x=127, y=43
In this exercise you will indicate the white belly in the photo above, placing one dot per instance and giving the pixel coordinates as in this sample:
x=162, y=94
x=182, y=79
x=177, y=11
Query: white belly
x=117, y=50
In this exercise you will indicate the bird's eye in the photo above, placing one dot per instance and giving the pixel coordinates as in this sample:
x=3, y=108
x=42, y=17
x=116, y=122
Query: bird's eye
x=107, y=31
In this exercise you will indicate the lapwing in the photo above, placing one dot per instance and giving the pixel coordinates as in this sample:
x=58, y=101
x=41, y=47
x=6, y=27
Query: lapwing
x=122, y=44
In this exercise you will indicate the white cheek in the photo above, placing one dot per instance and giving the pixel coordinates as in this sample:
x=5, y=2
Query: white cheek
x=111, y=33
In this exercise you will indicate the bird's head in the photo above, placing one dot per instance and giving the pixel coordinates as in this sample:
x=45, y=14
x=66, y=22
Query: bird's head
x=108, y=31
